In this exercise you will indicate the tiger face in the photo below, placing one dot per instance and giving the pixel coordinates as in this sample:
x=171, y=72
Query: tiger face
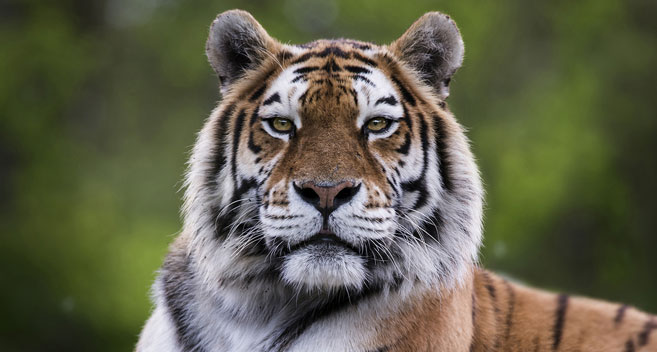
x=335, y=165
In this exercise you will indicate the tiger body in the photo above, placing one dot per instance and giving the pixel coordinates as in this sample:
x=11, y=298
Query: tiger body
x=332, y=204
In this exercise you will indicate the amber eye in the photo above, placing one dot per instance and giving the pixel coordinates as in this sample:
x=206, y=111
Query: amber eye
x=281, y=124
x=377, y=124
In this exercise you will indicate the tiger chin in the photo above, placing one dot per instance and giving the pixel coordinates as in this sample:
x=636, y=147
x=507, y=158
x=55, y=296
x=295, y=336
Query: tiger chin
x=332, y=204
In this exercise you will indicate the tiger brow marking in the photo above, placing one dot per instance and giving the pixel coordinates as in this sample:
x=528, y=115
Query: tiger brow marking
x=274, y=98
x=390, y=100
x=357, y=69
x=334, y=50
x=559, y=321
x=304, y=70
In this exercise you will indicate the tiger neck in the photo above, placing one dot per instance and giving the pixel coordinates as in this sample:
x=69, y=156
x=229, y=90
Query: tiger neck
x=416, y=319
x=268, y=316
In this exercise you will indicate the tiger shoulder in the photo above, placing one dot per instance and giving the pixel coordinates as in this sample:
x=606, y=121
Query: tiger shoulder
x=332, y=203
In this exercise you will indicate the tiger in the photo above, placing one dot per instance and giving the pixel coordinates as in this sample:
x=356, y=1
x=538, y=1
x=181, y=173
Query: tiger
x=332, y=203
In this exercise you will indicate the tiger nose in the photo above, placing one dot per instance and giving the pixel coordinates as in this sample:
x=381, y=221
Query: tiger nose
x=326, y=198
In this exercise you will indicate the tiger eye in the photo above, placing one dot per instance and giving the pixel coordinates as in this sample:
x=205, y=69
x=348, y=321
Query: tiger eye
x=377, y=124
x=281, y=124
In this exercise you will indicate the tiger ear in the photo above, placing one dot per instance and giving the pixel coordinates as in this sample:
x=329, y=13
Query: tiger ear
x=237, y=43
x=434, y=48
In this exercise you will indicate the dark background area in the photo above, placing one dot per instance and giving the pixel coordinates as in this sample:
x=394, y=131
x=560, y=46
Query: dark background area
x=100, y=102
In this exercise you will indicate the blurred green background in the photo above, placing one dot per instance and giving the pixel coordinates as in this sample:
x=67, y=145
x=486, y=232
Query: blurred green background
x=100, y=102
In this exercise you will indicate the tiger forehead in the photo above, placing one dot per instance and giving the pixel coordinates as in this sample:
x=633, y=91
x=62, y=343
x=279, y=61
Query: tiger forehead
x=332, y=77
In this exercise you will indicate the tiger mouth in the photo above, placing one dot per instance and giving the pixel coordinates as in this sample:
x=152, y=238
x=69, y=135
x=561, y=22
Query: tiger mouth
x=325, y=240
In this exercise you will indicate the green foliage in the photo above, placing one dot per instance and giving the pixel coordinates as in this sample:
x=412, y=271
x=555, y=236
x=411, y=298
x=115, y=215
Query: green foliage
x=100, y=102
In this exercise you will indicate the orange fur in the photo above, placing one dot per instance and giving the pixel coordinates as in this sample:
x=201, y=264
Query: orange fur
x=511, y=317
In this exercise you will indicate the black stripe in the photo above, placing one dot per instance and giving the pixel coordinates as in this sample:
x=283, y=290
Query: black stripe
x=364, y=79
x=644, y=336
x=443, y=157
x=333, y=50
x=620, y=314
x=404, y=148
x=492, y=293
x=299, y=78
x=275, y=98
x=512, y=305
x=419, y=185
x=474, y=309
x=302, y=58
x=404, y=92
x=363, y=59
x=629, y=346
x=246, y=186
x=177, y=296
x=559, y=320
x=490, y=288
x=304, y=70
x=296, y=327
x=284, y=55
x=357, y=69
x=331, y=66
x=304, y=97
x=237, y=132
x=252, y=146
x=390, y=100
x=225, y=221
x=258, y=93
x=336, y=51
x=219, y=159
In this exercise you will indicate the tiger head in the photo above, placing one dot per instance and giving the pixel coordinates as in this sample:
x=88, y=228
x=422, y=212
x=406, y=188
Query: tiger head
x=333, y=165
